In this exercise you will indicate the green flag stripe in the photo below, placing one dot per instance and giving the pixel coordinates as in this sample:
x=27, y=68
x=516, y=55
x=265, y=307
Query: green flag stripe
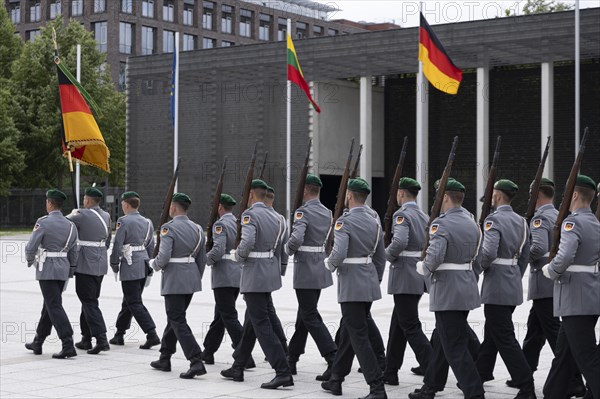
x=293, y=61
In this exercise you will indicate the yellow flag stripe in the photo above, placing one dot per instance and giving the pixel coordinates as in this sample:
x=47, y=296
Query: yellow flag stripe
x=437, y=78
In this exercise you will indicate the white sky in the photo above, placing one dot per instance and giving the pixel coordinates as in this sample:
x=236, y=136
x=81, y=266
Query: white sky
x=406, y=13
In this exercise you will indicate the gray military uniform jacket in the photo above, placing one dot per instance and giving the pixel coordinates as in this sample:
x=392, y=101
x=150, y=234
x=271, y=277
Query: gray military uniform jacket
x=280, y=254
x=94, y=240
x=574, y=269
x=312, y=222
x=53, y=233
x=225, y=272
x=504, y=256
x=133, y=246
x=181, y=238
x=358, y=238
x=261, y=233
x=454, y=239
x=542, y=236
x=403, y=253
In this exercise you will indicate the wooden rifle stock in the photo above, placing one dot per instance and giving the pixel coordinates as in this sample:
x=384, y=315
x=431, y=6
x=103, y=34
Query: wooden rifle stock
x=486, y=207
x=214, y=210
x=392, y=204
x=164, y=216
x=565, y=204
x=302, y=180
x=535, y=186
x=354, y=173
x=439, y=195
x=245, y=195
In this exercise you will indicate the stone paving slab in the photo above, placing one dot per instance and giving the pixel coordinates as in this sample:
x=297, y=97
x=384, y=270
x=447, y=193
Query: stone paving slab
x=124, y=372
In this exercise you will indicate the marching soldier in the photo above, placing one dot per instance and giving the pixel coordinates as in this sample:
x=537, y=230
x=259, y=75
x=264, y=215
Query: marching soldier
x=133, y=246
x=404, y=283
x=453, y=291
x=52, y=247
x=182, y=259
x=261, y=275
x=225, y=278
x=312, y=222
x=93, y=226
x=504, y=255
x=575, y=271
x=359, y=257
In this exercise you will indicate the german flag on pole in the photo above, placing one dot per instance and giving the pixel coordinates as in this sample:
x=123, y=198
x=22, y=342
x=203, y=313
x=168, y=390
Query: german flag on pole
x=81, y=132
x=437, y=65
x=295, y=72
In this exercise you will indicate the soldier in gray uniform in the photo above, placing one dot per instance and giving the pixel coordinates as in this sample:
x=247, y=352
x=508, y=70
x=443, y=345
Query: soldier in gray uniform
x=453, y=292
x=358, y=256
x=93, y=226
x=576, y=275
x=225, y=279
x=53, y=249
x=133, y=246
x=504, y=256
x=182, y=259
x=261, y=275
x=404, y=283
x=312, y=222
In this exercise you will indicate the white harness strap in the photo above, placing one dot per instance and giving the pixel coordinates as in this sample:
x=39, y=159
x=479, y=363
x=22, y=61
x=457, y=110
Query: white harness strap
x=43, y=254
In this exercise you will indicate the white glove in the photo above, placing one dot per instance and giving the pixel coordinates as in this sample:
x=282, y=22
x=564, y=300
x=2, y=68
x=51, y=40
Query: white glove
x=73, y=213
x=546, y=271
x=148, y=280
x=420, y=268
x=236, y=257
x=116, y=276
x=153, y=265
x=328, y=265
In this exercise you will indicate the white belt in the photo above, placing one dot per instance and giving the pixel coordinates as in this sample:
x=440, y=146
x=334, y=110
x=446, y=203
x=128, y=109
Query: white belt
x=91, y=243
x=583, y=269
x=454, y=266
x=137, y=248
x=358, y=261
x=505, y=261
x=228, y=257
x=306, y=248
x=410, y=254
x=187, y=259
x=127, y=251
x=56, y=254
x=261, y=255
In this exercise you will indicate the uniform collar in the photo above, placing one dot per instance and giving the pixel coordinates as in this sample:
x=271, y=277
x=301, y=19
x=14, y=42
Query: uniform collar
x=453, y=210
x=55, y=213
x=545, y=207
x=312, y=201
x=136, y=212
x=228, y=214
x=582, y=210
x=503, y=208
x=181, y=217
x=259, y=204
x=362, y=208
x=410, y=204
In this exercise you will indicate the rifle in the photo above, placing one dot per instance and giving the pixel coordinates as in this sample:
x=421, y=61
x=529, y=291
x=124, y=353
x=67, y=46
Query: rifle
x=302, y=180
x=535, y=187
x=341, y=199
x=392, y=204
x=439, y=195
x=489, y=187
x=164, y=216
x=354, y=173
x=245, y=195
x=214, y=210
x=264, y=166
x=598, y=209
x=567, y=196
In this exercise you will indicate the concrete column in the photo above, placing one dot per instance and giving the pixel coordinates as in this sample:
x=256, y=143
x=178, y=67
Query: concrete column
x=366, y=129
x=483, y=132
x=422, y=146
x=548, y=115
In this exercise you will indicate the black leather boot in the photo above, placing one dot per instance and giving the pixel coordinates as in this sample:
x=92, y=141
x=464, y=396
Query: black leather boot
x=527, y=392
x=101, y=345
x=285, y=380
x=36, y=345
x=118, y=339
x=417, y=371
x=196, y=368
x=208, y=358
x=424, y=392
x=68, y=350
x=85, y=343
x=326, y=376
x=152, y=339
x=163, y=363
x=334, y=387
x=376, y=390
x=234, y=373
x=390, y=377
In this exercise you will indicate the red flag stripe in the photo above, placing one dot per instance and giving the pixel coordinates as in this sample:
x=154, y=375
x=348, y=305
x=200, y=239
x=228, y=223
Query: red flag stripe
x=295, y=77
x=71, y=100
x=438, y=58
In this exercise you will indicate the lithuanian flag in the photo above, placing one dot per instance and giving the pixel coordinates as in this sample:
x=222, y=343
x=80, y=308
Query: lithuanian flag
x=295, y=72
x=82, y=135
x=437, y=65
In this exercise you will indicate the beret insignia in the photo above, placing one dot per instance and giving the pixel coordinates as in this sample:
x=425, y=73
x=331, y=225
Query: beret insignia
x=339, y=225
x=434, y=228
x=537, y=223
x=488, y=225
x=569, y=226
x=399, y=219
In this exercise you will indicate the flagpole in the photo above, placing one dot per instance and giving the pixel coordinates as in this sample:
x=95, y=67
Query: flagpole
x=577, y=79
x=176, y=117
x=288, y=180
x=422, y=142
x=77, y=164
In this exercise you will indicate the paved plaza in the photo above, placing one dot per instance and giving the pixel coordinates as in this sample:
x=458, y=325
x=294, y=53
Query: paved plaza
x=124, y=372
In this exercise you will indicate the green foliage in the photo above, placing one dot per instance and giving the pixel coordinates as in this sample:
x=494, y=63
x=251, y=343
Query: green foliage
x=542, y=6
x=11, y=158
x=10, y=45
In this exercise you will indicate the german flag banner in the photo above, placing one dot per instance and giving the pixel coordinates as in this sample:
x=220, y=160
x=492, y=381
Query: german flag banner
x=437, y=65
x=82, y=135
x=295, y=74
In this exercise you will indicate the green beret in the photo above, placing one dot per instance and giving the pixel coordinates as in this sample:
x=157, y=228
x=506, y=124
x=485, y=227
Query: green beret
x=585, y=181
x=506, y=185
x=257, y=183
x=359, y=185
x=270, y=189
x=408, y=183
x=546, y=182
x=56, y=194
x=452, y=185
x=129, y=194
x=313, y=180
x=93, y=192
x=227, y=199
x=182, y=198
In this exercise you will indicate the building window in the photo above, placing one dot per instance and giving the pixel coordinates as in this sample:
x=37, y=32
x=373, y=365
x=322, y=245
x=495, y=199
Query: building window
x=122, y=71
x=281, y=29
x=168, y=41
x=169, y=11
x=99, y=6
x=245, y=23
x=15, y=14
x=35, y=11
x=125, y=37
x=148, y=8
x=127, y=6
x=32, y=34
x=225, y=43
x=226, y=19
x=264, y=28
x=76, y=8
x=189, y=42
x=207, y=42
x=207, y=15
x=148, y=35
x=55, y=9
x=188, y=14
x=100, y=34
x=317, y=30
x=301, y=30
x=332, y=32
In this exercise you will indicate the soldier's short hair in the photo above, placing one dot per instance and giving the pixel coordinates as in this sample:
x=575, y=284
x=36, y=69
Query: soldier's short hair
x=184, y=206
x=587, y=194
x=95, y=200
x=270, y=196
x=260, y=193
x=56, y=203
x=456, y=197
x=547, y=191
x=411, y=191
x=508, y=195
x=133, y=202
x=227, y=208
x=359, y=196
x=313, y=189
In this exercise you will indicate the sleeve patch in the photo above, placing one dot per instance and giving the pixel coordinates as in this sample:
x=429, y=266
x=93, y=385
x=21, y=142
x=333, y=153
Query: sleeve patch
x=434, y=228
x=164, y=231
x=37, y=226
x=218, y=229
x=246, y=220
x=299, y=215
x=339, y=225
x=488, y=225
x=537, y=223
x=399, y=219
x=118, y=225
x=569, y=226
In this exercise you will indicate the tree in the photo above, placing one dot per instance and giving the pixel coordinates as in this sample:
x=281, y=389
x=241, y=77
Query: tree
x=542, y=6
x=38, y=117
